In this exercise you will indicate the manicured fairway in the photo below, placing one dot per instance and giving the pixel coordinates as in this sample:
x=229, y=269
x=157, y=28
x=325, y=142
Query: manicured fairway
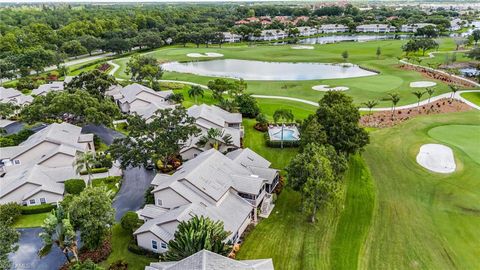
x=423, y=220
x=465, y=137
x=391, y=78
x=472, y=97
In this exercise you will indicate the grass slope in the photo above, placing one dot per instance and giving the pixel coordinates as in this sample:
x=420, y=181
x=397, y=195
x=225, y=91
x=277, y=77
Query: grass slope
x=472, y=97
x=423, y=220
x=30, y=221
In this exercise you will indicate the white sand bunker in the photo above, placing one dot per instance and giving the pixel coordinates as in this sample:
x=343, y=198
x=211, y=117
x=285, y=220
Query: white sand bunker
x=437, y=158
x=208, y=54
x=299, y=47
x=421, y=84
x=324, y=87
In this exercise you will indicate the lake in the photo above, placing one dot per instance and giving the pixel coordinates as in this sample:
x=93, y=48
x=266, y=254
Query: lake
x=268, y=71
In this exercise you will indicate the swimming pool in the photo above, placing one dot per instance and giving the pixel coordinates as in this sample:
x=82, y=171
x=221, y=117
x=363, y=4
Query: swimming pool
x=290, y=133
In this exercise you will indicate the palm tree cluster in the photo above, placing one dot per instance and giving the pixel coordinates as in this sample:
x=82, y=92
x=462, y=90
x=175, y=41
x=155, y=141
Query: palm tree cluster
x=283, y=114
x=215, y=137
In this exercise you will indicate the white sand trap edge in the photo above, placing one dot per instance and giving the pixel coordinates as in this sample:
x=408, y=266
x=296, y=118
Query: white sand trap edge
x=299, y=47
x=421, y=84
x=436, y=158
x=324, y=87
x=196, y=55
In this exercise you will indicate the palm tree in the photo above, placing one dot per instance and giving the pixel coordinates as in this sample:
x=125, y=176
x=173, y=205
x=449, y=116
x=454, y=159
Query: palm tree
x=194, y=235
x=430, y=91
x=215, y=137
x=370, y=104
x=85, y=161
x=195, y=91
x=282, y=114
x=419, y=94
x=454, y=90
x=395, y=98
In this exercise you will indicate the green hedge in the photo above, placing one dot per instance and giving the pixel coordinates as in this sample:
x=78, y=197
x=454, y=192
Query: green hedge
x=95, y=170
x=36, y=209
x=9, y=212
x=74, y=186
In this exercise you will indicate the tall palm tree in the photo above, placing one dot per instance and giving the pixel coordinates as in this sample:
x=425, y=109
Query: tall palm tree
x=215, y=137
x=454, y=90
x=85, y=161
x=419, y=94
x=195, y=91
x=370, y=105
x=282, y=114
x=430, y=91
x=395, y=98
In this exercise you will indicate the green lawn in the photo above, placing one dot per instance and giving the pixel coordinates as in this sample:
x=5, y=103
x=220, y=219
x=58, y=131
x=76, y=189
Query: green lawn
x=120, y=240
x=424, y=220
x=472, y=97
x=465, y=137
x=391, y=78
x=30, y=221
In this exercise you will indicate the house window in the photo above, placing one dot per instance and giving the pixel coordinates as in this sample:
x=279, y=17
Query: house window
x=32, y=201
x=159, y=202
x=154, y=245
x=43, y=201
x=163, y=245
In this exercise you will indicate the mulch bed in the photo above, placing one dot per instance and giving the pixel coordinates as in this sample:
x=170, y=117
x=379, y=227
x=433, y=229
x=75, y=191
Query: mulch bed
x=438, y=76
x=387, y=119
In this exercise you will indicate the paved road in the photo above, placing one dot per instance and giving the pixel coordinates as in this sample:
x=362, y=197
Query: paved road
x=136, y=181
x=26, y=257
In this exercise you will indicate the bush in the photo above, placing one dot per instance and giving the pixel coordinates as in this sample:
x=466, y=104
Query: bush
x=247, y=105
x=118, y=265
x=103, y=161
x=36, y=209
x=130, y=221
x=74, y=186
x=134, y=248
x=149, y=198
x=9, y=212
x=15, y=139
x=95, y=170
x=85, y=265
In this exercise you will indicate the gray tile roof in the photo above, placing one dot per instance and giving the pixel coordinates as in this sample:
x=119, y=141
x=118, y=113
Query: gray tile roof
x=49, y=87
x=207, y=260
x=214, y=114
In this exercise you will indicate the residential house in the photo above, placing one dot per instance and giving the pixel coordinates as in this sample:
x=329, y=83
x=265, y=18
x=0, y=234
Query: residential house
x=306, y=31
x=457, y=24
x=212, y=117
x=226, y=188
x=136, y=98
x=283, y=19
x=10, y=95
x=231, y=37
x=207, y=260
x=44, y=89
x=413, y=27
x=271, y=34
x=300, y=19
x=332, y=28
x=376, y=28
x=33, y=172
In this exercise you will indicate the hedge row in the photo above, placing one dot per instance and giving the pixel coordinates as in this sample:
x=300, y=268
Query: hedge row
x=95, y=170
x=36, y=209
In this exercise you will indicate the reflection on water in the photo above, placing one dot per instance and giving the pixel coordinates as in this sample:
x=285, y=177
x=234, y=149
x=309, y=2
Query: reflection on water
x=264, y=71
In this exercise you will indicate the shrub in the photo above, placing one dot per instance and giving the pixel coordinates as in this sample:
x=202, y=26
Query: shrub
x=36, y=209
x=103, y=161
x=149, y=198
x=118, y=265
x=74, y=186
x=95, y=170
x=85, y=265
x=130, y=221
x=134, y=248
x=247, y=105
x=9, y=212
x=281, y=183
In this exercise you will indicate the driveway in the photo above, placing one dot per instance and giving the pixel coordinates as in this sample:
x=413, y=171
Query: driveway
x=26, y=256
x=136, y=180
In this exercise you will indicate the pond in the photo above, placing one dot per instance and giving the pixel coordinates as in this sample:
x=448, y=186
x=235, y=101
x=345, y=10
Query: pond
x=267, y=71
x=469, y=72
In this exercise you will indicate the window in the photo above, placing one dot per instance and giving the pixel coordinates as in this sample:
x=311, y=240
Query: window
x=154, y=245
x=43, y=201
x=32, y=201
x=163, y=245
x=159, y=202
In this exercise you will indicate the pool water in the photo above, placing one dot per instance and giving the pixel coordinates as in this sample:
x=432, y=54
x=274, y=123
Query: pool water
x=289, y=134
x=268, y=71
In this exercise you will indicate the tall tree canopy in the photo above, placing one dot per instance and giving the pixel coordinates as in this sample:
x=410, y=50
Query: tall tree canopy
x=144, y=68
x=94, y=82
x=160, y=138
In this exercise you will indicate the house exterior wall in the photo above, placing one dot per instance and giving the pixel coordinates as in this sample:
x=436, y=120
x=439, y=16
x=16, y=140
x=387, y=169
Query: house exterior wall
x=17, y=194
x=144, y=240
x=169, y=198
x=49, y=197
